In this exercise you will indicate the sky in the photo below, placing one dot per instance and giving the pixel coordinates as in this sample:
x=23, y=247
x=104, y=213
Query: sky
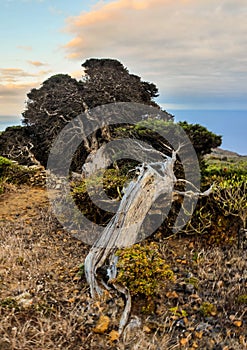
x=193, y=50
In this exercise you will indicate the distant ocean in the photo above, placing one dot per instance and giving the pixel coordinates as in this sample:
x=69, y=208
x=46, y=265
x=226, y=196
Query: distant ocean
x=6, y=121
x=232, y=125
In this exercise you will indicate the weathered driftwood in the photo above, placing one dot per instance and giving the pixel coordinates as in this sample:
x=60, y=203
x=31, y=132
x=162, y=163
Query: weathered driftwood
x=153, y=180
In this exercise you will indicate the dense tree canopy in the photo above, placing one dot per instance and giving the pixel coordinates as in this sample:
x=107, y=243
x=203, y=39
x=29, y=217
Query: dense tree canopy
x=61, y=98
x=202, y=139
x=108, y=81
x=16, y=144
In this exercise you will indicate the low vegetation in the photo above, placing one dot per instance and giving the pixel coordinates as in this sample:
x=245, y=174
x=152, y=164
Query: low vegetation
x=11, y=173
x=189, y=290
x=143, y=270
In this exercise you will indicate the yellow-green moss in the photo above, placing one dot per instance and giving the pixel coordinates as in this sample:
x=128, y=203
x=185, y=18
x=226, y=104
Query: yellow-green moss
x=176, y=311
x=242, y=299
x=194, y=281
x=142, y=269
x=9, y=303
x=207, y=309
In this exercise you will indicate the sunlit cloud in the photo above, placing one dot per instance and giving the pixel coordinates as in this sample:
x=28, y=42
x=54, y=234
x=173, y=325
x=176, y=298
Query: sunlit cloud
x=44, y=73
x=14, y=74
x=14, y=86
x=37, y=63
x=77, y=74
x=13, y=97
x=186, y=47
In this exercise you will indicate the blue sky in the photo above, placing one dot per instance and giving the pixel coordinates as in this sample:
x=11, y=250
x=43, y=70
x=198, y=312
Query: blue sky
x=232, y=125
x=194, y=51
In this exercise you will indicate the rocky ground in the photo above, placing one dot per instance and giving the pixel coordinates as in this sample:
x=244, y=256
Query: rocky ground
x=45, y=302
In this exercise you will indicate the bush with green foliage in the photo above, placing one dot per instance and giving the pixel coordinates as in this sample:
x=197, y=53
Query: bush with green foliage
x=11, y=172
x=220, y=215
x=150, y=130
x=202, y=139
x=242, y=299
x=142, y=269
x=111, y=181
x=4, y=165
x=227, y=169
x=231, y=196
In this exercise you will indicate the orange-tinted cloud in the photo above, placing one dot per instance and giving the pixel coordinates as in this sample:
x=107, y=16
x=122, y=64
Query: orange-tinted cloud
x=181, y=45
x=37, y=63
x=9, y=90
x=13, y=96
x=14, y=74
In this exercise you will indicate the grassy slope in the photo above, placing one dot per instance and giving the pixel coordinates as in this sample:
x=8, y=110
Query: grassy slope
x=45, y=303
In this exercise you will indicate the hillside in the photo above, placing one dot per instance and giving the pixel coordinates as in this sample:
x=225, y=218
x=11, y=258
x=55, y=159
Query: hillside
x=181, y=290
x=45, y=302
x=220, y=153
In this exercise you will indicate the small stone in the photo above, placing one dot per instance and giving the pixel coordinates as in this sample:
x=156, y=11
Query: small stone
x=238, y=323
x=189, y=288
x=102, y=325
x=172, y=295
x=199, y=334
x=181, y=324
x=202, y=327
x=113, y=336
x=25, y=300
x=183, y=341
x=146, y=329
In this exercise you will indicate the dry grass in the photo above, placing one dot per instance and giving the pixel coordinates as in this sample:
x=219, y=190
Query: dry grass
x=45, y=302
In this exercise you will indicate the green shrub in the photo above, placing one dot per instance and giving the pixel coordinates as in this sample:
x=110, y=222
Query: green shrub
x=9, y=303
x=111, y=182
x=219, y=216
x=13, y=173
x=231, y=196
x=142, y=269
x=226, y=169
x=4, y=165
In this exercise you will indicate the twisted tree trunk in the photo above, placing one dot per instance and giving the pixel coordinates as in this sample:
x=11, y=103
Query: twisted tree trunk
x=124, y=228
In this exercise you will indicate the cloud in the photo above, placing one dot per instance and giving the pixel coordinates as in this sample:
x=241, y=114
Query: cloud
x=37, y=63
x=77, y=74
x=14, y=86
x=12, y=97
x=187, y=47
x=25, y=48
x=14, y=74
